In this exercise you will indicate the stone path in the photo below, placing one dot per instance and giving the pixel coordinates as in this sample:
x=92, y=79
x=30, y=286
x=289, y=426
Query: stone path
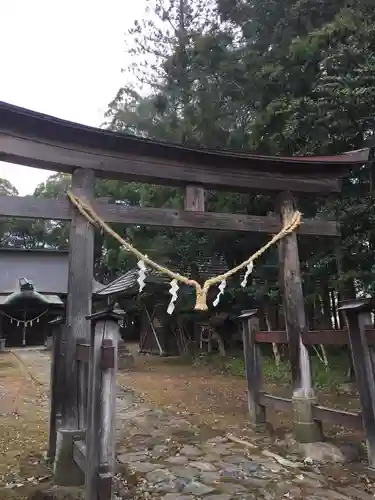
x=164, y=456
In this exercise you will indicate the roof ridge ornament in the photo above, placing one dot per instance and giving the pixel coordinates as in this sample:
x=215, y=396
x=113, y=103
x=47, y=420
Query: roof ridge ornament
x=25, y=284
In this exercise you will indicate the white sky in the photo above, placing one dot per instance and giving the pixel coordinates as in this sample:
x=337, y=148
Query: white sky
x=62, y=58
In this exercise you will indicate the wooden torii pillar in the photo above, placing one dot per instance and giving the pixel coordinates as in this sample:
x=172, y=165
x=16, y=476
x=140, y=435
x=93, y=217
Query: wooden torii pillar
x=81, y=274
x=306, y=428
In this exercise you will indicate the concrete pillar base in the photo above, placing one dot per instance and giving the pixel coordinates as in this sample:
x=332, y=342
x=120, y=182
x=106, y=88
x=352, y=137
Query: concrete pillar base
x=49, y=459
x=66, y=472
x=306, y=429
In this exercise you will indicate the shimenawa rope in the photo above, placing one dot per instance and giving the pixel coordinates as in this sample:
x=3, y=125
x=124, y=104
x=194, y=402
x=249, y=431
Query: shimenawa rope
x=89, y=213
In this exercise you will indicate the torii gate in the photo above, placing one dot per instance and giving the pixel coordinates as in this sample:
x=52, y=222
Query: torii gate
x=37, y=140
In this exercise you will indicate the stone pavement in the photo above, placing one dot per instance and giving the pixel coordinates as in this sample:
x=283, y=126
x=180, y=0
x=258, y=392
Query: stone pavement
x=164, y=456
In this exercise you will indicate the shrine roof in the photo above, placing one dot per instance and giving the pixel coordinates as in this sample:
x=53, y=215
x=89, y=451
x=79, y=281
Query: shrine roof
x=127, y=283
x=46, y=269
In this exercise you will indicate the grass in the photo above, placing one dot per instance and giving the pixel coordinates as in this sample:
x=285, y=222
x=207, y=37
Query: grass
x=324, y=378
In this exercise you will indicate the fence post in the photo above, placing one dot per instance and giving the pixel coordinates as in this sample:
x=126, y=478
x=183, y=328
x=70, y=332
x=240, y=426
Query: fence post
x=2, y=338
x=56, y=386
x=356, y=316
x=101, y=428
x=250, y=325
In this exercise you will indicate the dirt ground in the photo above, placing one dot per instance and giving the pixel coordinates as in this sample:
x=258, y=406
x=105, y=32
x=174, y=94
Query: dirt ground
x=23, y=435
x=203, y=397
x=218, y=400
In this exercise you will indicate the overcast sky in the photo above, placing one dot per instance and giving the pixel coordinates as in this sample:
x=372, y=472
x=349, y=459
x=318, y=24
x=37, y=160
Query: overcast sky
x=62, y=58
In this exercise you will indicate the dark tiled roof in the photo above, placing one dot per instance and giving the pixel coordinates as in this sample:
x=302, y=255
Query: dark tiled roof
x=127, y=283
x=17, y=298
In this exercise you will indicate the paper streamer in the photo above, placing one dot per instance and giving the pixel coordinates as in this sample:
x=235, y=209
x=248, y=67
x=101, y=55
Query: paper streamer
x=249, y=270
x=222, y=286
x=141, y=275
x=173, y=291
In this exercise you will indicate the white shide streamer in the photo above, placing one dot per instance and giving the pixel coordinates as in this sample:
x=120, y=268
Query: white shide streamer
x=141, y=275
x=173, y=291
x=28, y=322
x=249, y=270
x=222, y=286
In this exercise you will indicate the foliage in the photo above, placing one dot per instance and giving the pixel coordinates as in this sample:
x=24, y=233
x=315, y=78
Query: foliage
x=6, y=189
x=323, y=378
x=205, y=98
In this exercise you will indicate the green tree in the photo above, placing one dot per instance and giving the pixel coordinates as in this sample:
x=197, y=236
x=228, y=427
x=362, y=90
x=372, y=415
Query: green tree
x=6, y=189
x=276, y=77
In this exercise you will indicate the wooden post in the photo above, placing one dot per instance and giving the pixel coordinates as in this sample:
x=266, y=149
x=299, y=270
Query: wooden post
x=194, y=199
x=101, y=428
x=195, y=202
x=356, y=316
x=81, y=272
x=81, y=269
x=250, y=325
x=2, y=337
x=343, y=295
x=56, y=386
x=306, y=429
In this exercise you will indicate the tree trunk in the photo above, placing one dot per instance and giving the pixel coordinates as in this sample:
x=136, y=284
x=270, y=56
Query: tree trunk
x=220, y=343
x=346, y=291
x=310, y=313
x=334, y=310
x=326, y=306
x=275, y=347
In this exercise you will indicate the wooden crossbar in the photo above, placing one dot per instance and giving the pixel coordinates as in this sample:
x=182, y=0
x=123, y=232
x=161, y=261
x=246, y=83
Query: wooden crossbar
x=313, y=337
x=350, y=419
x=28, y=207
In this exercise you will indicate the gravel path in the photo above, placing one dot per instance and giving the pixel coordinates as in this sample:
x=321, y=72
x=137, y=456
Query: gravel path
x=164, y=456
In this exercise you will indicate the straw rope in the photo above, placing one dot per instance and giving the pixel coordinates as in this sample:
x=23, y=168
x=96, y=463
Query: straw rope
x=87, y=211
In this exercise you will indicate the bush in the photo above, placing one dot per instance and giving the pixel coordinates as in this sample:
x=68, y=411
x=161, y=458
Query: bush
x=323, y=378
